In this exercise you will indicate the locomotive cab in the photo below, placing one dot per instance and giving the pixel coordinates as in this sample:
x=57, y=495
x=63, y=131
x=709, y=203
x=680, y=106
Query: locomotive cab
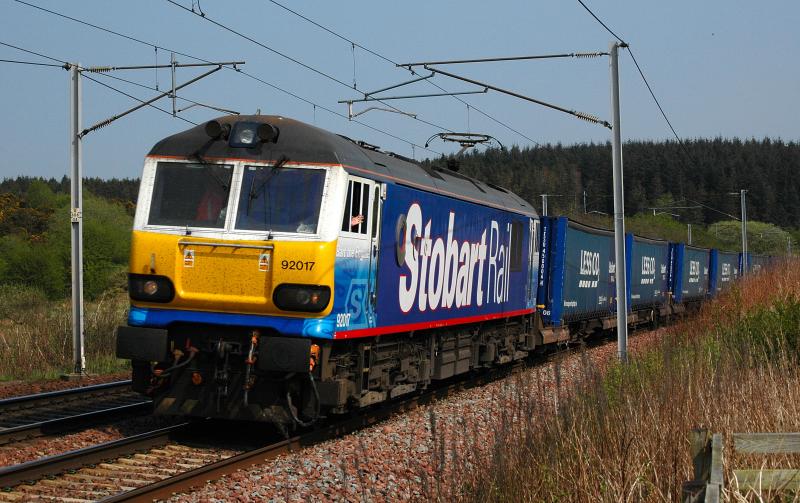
x=232, y=273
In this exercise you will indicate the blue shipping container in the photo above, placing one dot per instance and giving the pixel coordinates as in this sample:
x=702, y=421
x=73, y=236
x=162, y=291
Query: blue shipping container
x=759, y=262
x=648, y=271
x=577, y=272
x=724, y=270
x=690, y=272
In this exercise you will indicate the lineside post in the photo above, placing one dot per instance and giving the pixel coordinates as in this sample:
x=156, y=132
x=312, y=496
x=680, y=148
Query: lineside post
x=76, y=223
x=619, y=211
x=743, y=193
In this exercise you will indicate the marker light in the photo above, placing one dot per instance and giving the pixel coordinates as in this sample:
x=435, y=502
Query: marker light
x=308, y=298
x=314, y=357
x=150, y=288
x=216, y=130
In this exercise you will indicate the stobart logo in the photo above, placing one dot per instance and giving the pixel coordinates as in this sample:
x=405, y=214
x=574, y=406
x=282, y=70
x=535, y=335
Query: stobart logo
x=443, y=271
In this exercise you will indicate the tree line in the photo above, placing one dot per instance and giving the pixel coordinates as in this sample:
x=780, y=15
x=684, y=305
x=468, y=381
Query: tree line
x=701, y=172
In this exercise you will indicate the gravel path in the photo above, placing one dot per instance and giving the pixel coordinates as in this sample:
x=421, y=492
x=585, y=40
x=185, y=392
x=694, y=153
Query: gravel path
x=18, y=388
x=421, y=455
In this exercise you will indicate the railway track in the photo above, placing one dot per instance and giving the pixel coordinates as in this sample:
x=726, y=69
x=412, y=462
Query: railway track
x=158, y=464
x=55, y=412
x=180, y=458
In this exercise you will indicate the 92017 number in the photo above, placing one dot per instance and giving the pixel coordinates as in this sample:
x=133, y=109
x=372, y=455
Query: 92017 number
x=297, y=265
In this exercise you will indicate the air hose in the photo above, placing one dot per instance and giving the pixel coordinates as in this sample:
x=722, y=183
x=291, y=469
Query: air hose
x=192, y=351
x=305, y=424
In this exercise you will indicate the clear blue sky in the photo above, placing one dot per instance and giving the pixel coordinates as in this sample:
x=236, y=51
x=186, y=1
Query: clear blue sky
x=720, y=68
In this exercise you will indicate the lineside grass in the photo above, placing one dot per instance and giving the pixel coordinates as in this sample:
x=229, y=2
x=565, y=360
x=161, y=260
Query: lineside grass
x=36, y=333
x=621, y=434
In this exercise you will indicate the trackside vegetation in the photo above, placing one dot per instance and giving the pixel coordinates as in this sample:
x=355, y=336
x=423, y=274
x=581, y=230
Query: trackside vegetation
x=35, y=241
x=35, y=278
x=36, y=333
x=622, y=433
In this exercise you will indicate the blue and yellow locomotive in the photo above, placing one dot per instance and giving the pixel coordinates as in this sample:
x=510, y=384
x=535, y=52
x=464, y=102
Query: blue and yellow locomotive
x=279, y=271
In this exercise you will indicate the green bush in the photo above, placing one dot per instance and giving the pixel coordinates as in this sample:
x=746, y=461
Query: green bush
x=106, y=243
x=32, y=264
x=46, y=263
x=767, y=332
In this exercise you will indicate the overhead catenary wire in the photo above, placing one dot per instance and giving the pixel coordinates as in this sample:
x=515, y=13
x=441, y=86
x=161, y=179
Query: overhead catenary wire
x=602, y=23
x=14, y=61
x=389, y=60
x=644, y=79
x=66, y=65
x=713, y=209
x=238, y=70
x=579, y=115
x=151, y=88
x=143, y=102
x=579, y=55
x=333, y=112
x=295, y=60
x=28, y=51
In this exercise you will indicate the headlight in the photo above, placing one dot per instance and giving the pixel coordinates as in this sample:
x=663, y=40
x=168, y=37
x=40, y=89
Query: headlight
x=150, y=288
x=249, y=134
x=308, y=298
x=243, y=134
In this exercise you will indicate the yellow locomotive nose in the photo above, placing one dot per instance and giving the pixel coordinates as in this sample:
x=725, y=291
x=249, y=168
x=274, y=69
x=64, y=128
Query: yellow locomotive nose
x=246, y=277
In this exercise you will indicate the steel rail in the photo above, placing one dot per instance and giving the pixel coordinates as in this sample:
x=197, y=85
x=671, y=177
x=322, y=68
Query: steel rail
x=29, y=416
x=4, y=403
x=73, y=422
x=73, y=460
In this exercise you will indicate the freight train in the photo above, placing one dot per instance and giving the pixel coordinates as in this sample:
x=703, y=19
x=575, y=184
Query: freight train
x=283, y=273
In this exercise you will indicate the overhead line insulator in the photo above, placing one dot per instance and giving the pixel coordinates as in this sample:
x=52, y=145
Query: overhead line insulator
x=99, y=69
x=590, y=54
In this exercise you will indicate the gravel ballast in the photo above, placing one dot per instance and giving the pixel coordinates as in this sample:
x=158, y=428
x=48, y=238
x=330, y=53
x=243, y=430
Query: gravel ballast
x=36, y=448
x=419, y=455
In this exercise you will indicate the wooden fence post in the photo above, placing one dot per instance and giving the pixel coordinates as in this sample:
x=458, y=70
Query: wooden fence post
x=700, y=450
x=716, y=480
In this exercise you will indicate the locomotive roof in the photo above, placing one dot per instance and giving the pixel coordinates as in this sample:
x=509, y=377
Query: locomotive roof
x=304, y=143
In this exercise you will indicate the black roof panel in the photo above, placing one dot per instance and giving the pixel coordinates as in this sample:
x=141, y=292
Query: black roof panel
x=304, y=143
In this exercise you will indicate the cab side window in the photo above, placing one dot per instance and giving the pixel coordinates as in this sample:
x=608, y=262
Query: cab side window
x=356, y=209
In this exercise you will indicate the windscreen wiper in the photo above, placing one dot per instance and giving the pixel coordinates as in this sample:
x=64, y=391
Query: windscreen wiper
x=254, y=192
x=216, y=178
